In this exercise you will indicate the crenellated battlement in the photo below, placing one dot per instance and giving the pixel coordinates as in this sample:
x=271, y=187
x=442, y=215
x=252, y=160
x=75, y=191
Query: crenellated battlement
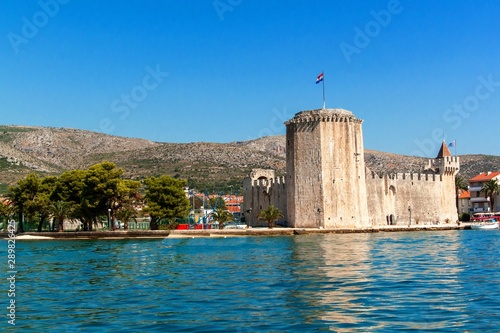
x=324, y=115
x=278, y=180
x=446, y=165
x=406, y=176
x=264, y=182
x=261, y=183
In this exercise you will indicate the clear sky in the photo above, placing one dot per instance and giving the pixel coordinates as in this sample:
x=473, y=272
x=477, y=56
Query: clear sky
x=232, y=70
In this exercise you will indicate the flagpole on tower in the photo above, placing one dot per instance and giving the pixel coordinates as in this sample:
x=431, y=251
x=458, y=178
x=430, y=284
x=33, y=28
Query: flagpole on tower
x=321, y=78
x=324, y=102
x=454, y=145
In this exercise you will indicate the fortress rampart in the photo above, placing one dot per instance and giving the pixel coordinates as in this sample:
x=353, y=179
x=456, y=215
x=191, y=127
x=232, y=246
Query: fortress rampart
x=327, y=185
x=260, y=191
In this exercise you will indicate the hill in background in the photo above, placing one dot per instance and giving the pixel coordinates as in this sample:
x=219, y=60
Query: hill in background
x=210, y=167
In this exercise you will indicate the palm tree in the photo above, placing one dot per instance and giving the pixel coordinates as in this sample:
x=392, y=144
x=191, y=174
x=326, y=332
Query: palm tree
x=60, y=210
x=222, y=216
x=460, y=184
x=125, y=214
x=491, y=188
x=271, y=214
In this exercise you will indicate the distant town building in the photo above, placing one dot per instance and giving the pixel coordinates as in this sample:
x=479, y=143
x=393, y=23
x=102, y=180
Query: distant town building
x=233, y=205
x=478, y=199
x=464, y=205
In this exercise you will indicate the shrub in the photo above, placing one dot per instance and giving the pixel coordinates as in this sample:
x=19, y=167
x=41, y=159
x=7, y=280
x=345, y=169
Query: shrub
x=464, y=217
x=170, y=225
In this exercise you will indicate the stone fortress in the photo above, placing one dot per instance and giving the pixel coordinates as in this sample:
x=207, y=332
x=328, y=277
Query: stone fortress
x=328, y=186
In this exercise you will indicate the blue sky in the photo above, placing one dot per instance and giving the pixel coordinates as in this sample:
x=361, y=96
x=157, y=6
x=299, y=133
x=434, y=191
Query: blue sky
x=232, y=70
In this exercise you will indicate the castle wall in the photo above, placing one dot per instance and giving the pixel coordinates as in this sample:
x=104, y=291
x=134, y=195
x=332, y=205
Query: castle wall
x=261, y=190
x=328, y=186
x=412, y=198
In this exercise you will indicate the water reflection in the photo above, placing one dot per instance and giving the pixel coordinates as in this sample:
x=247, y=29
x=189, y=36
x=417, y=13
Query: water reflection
x=336, y=267
x=434, y=281
x=372, y=281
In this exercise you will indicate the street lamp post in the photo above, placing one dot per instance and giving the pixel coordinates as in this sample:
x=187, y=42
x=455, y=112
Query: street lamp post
x=191, y=193
x=230, y=203
x=409, y=211
x=205, y=205
x=110, y=227
x=237, y=210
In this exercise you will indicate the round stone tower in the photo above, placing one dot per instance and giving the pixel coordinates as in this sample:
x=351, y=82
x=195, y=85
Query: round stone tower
x=325, y=170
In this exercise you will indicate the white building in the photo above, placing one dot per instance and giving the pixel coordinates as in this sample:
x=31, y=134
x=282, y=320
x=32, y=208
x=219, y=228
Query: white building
x=478, y=199
x=464, y=205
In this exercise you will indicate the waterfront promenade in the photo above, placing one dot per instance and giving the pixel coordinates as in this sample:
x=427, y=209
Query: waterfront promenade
x=232, y=232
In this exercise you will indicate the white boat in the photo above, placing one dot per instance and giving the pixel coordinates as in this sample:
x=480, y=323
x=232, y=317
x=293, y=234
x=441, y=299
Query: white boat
x=488, y=224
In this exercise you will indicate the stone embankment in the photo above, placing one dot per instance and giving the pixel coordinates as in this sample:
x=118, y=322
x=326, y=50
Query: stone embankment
x=226, y=232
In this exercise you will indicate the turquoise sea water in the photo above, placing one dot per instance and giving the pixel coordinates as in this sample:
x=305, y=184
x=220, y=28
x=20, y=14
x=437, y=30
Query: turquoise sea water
x=445, y=281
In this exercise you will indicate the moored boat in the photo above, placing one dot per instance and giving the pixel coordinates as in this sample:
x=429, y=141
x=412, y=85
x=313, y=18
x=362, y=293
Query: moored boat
x=487, y=224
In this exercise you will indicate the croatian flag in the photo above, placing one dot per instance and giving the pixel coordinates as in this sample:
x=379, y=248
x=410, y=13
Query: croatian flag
x=452, y=144
x=319, y=78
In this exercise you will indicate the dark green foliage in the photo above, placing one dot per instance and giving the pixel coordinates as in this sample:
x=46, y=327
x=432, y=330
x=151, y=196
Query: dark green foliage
x=86, y=195
x=169, y=225
x=165, y=199
x=271, y=214
x=217, y=202
x=464, y=217
x=491, y=188
x=222, y=216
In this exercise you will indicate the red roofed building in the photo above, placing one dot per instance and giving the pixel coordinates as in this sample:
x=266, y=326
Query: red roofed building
x=233, y=203
x=478, y=199
x=464, y=205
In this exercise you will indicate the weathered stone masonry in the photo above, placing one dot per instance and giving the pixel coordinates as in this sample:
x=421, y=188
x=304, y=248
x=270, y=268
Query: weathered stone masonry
x=327, y=184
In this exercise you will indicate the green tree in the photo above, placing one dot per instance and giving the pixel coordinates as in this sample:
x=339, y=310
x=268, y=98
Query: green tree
x=22, y=196
x=165, y=199
x=217, y=202
x=125, y=214
x=68, y=189
x=460, y=185
x=100, y=190
x=222, y=216
x=41, y=202
x=31, y=197
x=87, y=195
x=60, y=210
x=491, y=188
x=124, y=203
x=271, y=214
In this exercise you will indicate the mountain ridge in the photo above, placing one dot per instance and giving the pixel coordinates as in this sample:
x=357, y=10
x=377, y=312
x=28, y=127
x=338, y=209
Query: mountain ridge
x=208, y=166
